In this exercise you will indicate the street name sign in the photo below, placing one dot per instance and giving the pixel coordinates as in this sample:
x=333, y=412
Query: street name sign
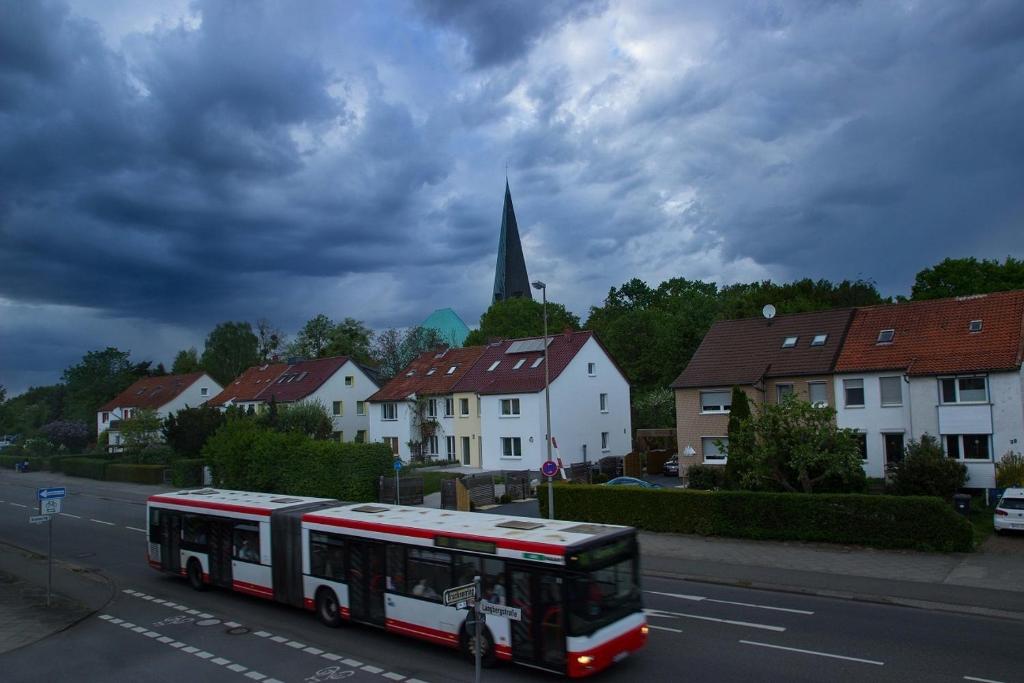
x=49, y=506
x=513, y=613
x=52, y=492
x=457, y=594
x=39, y=519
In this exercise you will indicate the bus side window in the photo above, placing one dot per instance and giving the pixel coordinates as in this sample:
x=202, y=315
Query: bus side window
x=193, y=530
x=327, y=556
x=430, y=573
x=494, y=581
x=466, y=567
x=396, y=569
x=246, y=543
x=154, y=525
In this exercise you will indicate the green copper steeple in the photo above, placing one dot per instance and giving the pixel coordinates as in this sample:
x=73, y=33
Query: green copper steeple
x=510, y=278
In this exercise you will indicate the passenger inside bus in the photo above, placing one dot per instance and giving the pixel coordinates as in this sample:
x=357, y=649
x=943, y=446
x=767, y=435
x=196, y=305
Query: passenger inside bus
x=423, y=590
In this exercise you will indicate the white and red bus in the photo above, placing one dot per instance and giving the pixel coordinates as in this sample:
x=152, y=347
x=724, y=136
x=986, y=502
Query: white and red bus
x=576, y=585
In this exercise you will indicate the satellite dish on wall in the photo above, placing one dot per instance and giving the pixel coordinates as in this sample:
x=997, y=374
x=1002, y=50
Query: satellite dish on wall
x=768, y=311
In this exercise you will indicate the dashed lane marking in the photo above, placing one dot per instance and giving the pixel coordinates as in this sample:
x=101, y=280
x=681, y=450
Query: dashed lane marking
x=18, y=505
x=133, y=528
x=100, y=521
x=813, y=652
x=665, y=628
x=394, y=676
x=68, y=514
x=373, y=669
x=657, y=613
x=701, y=598
x=981, y=680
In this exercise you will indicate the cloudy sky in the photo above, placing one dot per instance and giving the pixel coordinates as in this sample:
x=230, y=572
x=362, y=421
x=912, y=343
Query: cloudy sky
x=168, y=165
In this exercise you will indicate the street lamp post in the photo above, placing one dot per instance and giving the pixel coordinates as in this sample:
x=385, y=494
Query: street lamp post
x=547, y=393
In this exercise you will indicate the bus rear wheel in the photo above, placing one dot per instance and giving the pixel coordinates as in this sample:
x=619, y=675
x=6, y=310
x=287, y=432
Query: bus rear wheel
x=486, y=646
x=328, y=611
x=195, y=575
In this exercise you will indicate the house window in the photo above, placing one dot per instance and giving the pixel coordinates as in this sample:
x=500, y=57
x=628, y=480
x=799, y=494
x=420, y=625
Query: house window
x=817, y=393
x=963, y=389
x=519, y=364
x=968, y=446
x=715, y=401
x=494, y=365
x=360, y=407
x=891, y=389
x=886, y=336
x=893, y=447
x=478, y=409
x=853, y=390
x=604, y=441
x=974, y=326
x=537, y=362
x=361, y=436
x=392, y=441
x=450, y=447
x=862, y=444
x=389, y=411
x=603, y=401
x=432, y=445
x=432, y=408
x=511, y=447
x=204, y=391
x=338, y=436
x=339, y=408
x=591, y=369
x=509, y=407
x=449, y=407
x=106, y=417
x=819, y=340
x=782, y=391
x=431, y=371
x=709, y=447
x=789, y=342
x=464, y=407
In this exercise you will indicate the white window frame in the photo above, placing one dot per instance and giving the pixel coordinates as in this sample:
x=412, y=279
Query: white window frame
x=810, y=396
x=392, y=442
x=846, y=395
x=778, y=390
x=350, y=380
x=604, y=442
x=718, y=459
x=432, y=445
x=960, y=457
x=361, y=408
x=819, y=339
x=389, y=409
x=432, y=408
x=513, y=407
x=204, y=391
x=722, y=409
x=882, y=333
x=603, y=402
x=449, y=407
x=449, y=443
x=956, y=390
x=463, y=407
x=881, y=401
x=591, y=369
x=514, y=443
x=338, y=408
x=519, y=364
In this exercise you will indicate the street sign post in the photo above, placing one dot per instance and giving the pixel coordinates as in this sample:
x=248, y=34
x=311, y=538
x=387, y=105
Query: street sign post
x=39, y=519
x=513, y=613
x=51, y=492
x=457, y=594
x=549, y=468
x=49, y=505
x=398, y=468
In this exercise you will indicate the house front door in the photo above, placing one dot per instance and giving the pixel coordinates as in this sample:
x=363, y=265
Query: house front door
x=465, y=450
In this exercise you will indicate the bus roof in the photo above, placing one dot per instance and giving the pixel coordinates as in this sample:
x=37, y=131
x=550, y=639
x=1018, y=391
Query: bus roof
x=508, y=532
x=248, y=502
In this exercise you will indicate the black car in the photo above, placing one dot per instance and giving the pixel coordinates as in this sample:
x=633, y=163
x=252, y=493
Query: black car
x=671, y=466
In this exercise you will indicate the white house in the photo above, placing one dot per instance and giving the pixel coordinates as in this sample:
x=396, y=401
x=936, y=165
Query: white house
x=339, y=383
x=949, y=368
x=164, y=395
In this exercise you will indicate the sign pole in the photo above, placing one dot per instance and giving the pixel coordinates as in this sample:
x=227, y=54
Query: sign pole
x=49, y=560
x=476, y=613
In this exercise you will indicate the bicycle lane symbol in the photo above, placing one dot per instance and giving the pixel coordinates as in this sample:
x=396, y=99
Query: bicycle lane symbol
x=330, y=673
x=178, y=619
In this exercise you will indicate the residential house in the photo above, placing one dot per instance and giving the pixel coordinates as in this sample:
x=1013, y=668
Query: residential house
x=768, y=359
x=950, y=368
x=415, y=412
x=589, y=393
x=164, y=395
x=339, y=383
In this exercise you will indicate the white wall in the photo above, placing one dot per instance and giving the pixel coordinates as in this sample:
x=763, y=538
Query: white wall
x=529, y=425
x=874, y=419
x=334, y=389
x=193, y=396
x=380, y=428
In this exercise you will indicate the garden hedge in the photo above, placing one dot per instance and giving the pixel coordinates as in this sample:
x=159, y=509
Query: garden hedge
x=91, y=468
x=918, y=522
x=187, y=472
x=136, y=474
x=35, y=463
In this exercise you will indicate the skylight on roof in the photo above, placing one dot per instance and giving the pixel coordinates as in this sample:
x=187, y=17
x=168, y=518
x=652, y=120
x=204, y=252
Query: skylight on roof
x=431, y=371
x=819, y=340
x=537, y=362
x=519, y=364
x=886, y=336
x=451, y=370
x=410, y=373
x=974, y=326
x=789, y=342
x=494, y=365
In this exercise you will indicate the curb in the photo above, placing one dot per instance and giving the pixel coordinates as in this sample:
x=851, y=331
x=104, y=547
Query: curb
x=892, y=600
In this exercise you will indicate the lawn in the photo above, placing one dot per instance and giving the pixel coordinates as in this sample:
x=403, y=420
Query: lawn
x=432, y=480
x=981, y=520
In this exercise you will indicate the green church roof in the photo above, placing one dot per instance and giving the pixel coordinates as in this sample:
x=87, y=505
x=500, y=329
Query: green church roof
x=449, y=325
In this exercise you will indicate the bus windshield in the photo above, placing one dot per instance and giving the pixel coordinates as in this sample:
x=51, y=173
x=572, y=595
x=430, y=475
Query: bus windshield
x=602, y=596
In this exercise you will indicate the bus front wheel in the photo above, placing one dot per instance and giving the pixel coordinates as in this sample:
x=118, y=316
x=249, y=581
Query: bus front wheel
x=486, y=646
x=195, y=575
x=328, y=611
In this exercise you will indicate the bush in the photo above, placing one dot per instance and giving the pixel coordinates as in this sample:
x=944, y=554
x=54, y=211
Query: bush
x=926, y=471
x=71, y=434
x=35, y=463
x=136, y=474
x=187, y=430
x=91, y=468
x=923, y=523
x=153, y=454
x=1010, y=470
x=705, y=477
x=187, y=472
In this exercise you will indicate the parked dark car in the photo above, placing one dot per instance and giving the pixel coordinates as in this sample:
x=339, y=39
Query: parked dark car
x=671, y=467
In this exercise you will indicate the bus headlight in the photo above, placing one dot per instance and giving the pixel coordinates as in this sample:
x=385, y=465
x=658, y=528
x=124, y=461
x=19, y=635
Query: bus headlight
x=644, y=629
x=585, y=659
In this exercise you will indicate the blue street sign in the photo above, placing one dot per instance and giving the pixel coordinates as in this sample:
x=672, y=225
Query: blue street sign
x=549, y=468
x=398, y=464
x=52, y=492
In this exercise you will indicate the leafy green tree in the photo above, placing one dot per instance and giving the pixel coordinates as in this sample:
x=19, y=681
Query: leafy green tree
x=230, y=348
x=654, y=409
x=739, y=446
x=99, y=377
x=27, y=412
x=516, y=318
x=349, y=338
x=305, y=417
x=966, y=276
x=187, y=430
x=393, y=349
x=796, y=446
x=926, y=471
x=271, y=340
x=800, y=296
x=187, y=361
x=140, y=430
x=313, y=338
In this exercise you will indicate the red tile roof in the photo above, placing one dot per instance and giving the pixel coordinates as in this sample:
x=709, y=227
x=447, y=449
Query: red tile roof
x=424, y=383
x=283, y=382
x=745, y=351
x=249, y=384
x=505, y=379
x=152, y=392
x=933, y=337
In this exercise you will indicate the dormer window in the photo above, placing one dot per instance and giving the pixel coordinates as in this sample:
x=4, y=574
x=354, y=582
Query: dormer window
x=789, y=342
x=493, y=366
x=537, y=362
x=974, y=326
x=819, y=340
x=410, y=373
x=519, y=364
x=886, y=336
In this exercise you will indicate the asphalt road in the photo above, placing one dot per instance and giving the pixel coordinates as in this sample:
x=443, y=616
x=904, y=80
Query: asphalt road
x=158, y=629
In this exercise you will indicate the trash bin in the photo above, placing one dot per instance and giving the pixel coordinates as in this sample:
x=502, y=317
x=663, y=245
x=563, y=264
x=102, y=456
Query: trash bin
x=962, y=503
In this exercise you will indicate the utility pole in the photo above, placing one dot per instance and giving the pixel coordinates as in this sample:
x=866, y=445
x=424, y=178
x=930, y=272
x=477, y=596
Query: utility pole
x=547, y=394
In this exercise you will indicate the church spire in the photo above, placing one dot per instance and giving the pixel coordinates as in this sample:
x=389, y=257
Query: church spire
x=510, y=278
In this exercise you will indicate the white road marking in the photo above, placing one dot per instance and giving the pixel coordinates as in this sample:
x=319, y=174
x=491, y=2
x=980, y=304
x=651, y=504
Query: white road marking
x=372, y=669
x=330, y=656
x=18, y=505
x=100, y=521
x=204, y=654
x=748, y=624
x=262, y=634
x=701, y=598
x=255, y=675
x=133, y=528
x=232, y=624
x=192, y=611
x=351, y=662
x=68, y=514
x=279, y=639
x=140, y=629
x=313, y=651
x=296, y=644
x=177, y=644
x=237, y=668
x=394, y=676
x=165, y=639
x=665, y=628
x=981, y=680
x=106, y=617
x=190, y=649
x=813, y=652
x=220, y=661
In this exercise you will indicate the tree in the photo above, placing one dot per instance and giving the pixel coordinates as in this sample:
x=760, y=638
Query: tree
x=99, y=377
x=71, y=434
x=349, y=338
x=965, y=276
x=739, y=447
x=140, y=430
x=305, y=417
x=313, y=338
x=800, y=296
x=654, y=409
x=270, y=340
x=515, y=318
x=926, y=471
x=27, y=412
x=230, y=348
x=187, y=430
x=393, y=349
x=797, y=447
x=187, y=361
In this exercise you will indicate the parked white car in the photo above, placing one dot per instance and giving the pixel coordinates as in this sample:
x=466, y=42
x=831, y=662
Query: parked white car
x=1010, y=511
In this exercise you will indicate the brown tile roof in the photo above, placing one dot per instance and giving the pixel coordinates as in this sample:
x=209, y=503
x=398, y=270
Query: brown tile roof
x=422, y=381
x=745, y=351
x=505, y=379
x=283, y=382
x=249, y=384
x=152, y=392
x=933, y=337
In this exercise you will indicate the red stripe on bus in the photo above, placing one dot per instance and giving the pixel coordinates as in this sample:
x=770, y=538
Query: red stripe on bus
x=502, y=651
x=252, y=589
x=423, y=632
x=207, y=505
x=504, y=543
x=605, y=653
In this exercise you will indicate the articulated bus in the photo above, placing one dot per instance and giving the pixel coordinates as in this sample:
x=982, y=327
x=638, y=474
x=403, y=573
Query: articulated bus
x=576, y=585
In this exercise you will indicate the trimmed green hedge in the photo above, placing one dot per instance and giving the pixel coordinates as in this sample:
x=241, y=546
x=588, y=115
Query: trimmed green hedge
x=35, y=463
x=92, y=468
x=136, y=474
x=187, y=472
x=917, y=522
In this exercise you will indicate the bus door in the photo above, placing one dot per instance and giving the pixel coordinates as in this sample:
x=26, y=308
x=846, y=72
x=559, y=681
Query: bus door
x=220, y=533
x=170, y=539
x=366, y=582
x=539, y=638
